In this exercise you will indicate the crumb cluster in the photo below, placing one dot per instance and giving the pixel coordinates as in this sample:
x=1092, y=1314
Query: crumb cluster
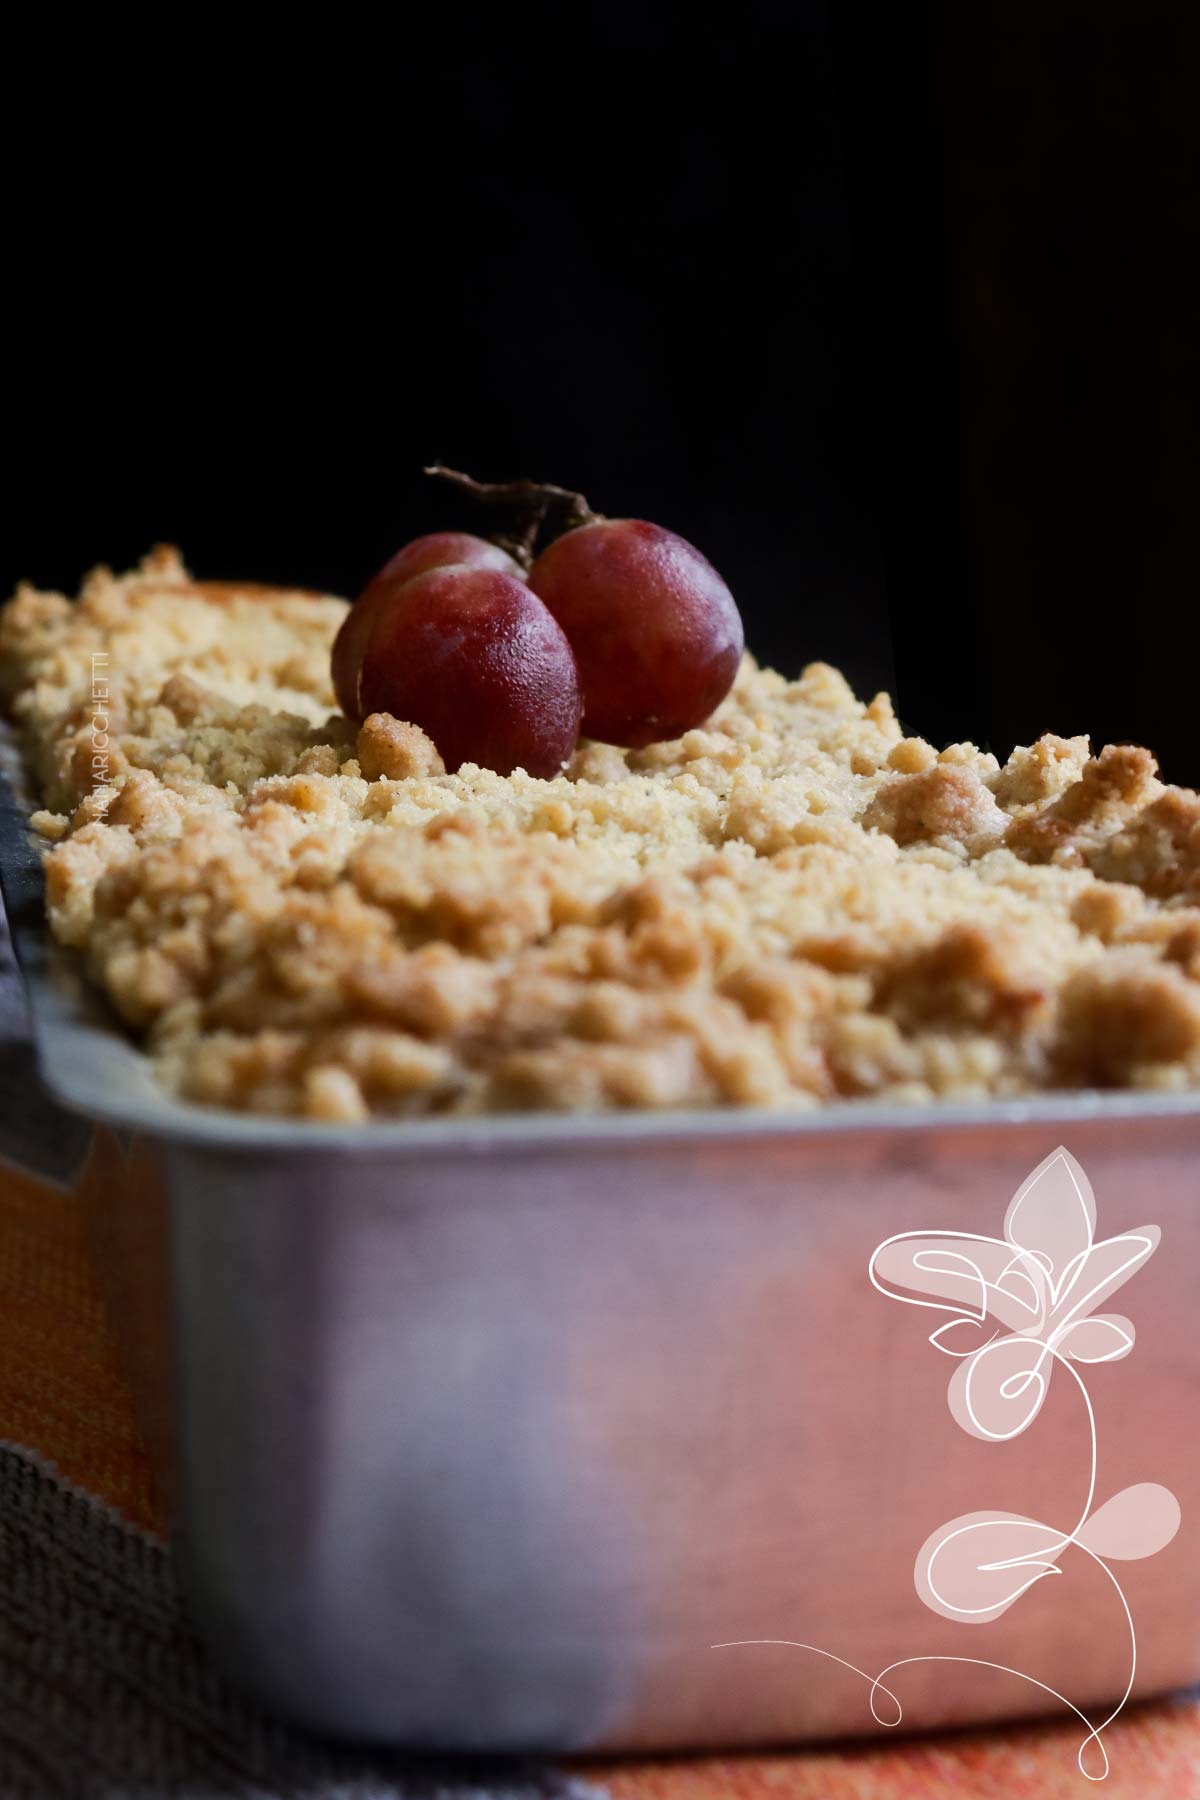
x=793, y=906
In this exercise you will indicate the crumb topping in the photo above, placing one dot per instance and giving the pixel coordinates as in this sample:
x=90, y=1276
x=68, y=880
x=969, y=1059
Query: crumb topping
x=792, y=906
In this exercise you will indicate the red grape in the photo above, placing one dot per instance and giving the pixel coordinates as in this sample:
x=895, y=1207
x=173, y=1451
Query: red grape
x=434, y=551
x=475, y=659
x=656, y=633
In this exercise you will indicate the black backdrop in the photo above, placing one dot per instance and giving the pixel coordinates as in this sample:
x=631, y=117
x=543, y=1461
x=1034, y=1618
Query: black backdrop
x=891, y=310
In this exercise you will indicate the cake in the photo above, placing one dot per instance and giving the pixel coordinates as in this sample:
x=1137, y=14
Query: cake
x=793, y=906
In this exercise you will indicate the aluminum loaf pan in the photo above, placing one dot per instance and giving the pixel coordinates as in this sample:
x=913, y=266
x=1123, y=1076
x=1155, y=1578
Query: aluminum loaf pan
x=486, y=1432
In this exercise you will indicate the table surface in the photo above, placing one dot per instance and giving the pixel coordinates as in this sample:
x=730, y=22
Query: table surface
x=63, y=1395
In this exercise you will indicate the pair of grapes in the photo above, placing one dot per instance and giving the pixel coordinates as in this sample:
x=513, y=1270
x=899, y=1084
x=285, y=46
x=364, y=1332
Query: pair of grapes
x=619, y=628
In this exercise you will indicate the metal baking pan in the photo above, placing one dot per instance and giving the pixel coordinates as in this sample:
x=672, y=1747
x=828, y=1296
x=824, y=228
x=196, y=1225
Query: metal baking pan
x=486, y=1432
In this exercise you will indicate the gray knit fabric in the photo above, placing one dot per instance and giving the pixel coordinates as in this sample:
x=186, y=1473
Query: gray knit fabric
x=106, y=1693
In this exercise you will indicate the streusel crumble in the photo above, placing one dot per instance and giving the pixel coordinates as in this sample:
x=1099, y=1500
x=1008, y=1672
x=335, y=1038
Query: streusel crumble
x=795, y=905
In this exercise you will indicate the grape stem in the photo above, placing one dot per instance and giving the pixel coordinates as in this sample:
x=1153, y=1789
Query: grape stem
x=527, y=515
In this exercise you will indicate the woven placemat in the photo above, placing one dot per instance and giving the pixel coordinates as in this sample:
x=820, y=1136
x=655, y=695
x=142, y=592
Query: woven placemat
x=105, y=1689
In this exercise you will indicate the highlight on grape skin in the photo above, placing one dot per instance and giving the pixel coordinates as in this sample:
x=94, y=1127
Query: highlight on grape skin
x=436, y=550
x=473, y=657
x=656, y=633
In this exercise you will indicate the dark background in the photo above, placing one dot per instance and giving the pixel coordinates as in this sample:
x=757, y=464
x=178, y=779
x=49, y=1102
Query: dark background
x=893, y=311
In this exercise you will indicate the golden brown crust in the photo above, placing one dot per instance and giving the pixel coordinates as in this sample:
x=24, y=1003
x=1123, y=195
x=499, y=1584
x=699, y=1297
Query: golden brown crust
x=791, y=906
x=395, y=750
x=944, y=801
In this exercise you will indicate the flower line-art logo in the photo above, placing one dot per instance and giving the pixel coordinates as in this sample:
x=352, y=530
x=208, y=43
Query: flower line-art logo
x=1021, y=1306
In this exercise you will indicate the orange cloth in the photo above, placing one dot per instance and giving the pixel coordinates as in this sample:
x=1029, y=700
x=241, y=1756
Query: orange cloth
x=64, y=1394
x=63, y=1390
